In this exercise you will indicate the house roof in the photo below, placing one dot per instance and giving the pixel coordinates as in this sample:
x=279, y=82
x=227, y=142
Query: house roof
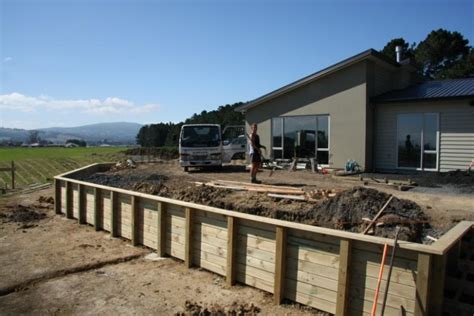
x=370, y=53
x=438, y=89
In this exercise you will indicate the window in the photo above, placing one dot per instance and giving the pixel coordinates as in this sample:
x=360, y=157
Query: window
x=417, y=141
x=301, y=137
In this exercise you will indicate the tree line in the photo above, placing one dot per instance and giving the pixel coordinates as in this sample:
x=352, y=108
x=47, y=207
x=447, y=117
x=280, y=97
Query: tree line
x=441, y=55
x=167, y=134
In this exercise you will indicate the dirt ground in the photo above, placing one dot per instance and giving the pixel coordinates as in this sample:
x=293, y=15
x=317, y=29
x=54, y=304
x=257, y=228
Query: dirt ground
x=432, y=208
x=51, y=265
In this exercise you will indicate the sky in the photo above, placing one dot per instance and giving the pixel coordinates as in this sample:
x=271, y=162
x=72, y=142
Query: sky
x=71, y=62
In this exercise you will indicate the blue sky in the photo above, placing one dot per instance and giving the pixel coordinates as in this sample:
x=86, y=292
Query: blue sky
x=71, y=62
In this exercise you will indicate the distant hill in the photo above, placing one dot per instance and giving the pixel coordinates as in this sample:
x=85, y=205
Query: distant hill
x=112, y=133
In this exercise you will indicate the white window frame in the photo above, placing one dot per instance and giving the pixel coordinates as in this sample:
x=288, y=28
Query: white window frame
x=423, y=114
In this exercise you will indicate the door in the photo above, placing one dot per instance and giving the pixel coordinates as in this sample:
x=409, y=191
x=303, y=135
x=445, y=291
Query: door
x=417, y=141
x=234, y=142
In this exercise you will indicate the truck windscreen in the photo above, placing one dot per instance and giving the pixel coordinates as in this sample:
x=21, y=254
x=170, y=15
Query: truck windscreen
x=200, y=136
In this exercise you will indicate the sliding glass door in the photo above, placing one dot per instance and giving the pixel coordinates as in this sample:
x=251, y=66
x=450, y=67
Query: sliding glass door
x=301, y=137
x=417, y=141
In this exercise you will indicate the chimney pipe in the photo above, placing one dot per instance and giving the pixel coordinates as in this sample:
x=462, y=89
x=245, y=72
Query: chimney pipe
x=398, y=53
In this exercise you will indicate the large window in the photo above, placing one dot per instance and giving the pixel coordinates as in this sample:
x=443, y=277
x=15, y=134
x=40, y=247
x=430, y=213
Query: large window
x=417, y=141
x=301, y=137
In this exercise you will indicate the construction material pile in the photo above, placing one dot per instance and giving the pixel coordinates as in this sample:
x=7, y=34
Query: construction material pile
x=124, y=164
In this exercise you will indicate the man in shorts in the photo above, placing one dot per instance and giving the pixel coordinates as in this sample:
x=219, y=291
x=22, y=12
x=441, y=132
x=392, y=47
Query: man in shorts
x=255, y=153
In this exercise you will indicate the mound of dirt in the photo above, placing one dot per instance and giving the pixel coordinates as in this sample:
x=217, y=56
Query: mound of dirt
x=236, y=308
x=201, y=194
x=21, y=214
x=458, y=178
x=346, y=210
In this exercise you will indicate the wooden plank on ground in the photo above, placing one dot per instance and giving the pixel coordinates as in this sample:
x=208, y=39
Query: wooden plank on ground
x=343, y=283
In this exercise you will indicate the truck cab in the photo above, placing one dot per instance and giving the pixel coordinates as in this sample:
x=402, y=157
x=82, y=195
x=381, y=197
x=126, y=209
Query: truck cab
x=201, y=145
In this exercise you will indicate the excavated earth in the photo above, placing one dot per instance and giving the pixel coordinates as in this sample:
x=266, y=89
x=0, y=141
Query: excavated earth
x=349, y=210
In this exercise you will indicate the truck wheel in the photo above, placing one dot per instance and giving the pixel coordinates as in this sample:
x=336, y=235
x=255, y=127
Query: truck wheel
x=186, y=169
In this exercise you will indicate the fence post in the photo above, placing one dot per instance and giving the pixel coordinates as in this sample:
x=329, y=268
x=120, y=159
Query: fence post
x=280, y=266
x=69, y=211
x=97, y=208
x=188, y=238
x=342, y=300
x=134, y=220
x=231, y=249
x=13, y=174
x=80, y=204
x=113, y=214
x=422, y=284
x=57, y=196
x=437, y=285
x=161, y=229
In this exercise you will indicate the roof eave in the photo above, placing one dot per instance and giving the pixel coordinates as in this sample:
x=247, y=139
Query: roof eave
x=317, y=75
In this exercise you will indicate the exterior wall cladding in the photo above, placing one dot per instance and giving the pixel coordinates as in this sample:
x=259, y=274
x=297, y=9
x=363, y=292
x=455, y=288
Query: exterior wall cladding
x=456, y=132
x=343, y=95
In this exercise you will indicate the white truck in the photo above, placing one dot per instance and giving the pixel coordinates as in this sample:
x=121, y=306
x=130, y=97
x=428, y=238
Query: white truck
x=202, y=145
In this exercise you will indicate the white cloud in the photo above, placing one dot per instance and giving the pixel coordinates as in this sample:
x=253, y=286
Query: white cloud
x=7, y=59
x=111, y=105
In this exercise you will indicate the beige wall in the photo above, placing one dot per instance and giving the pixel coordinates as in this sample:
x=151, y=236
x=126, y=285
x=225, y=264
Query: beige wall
x=342, y=96
x=456, y=132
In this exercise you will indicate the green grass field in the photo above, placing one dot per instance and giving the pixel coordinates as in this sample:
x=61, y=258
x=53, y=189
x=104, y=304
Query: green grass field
x=40, y=165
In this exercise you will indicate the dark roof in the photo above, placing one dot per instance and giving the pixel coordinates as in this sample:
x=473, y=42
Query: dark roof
x=438, y=89
x=349, y=61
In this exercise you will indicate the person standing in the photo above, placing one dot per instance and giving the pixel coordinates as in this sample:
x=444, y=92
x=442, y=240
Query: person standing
x=255, y=153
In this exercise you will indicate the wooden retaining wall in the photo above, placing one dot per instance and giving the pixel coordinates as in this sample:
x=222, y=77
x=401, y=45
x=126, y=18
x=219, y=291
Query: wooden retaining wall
x=333, y=271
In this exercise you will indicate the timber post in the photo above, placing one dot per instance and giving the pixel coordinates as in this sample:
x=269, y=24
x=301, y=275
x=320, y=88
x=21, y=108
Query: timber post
x=280, y=265
x=231, y=250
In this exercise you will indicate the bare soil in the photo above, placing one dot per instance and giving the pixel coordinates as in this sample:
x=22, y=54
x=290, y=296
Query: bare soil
x=59, y=267
x=348, y=210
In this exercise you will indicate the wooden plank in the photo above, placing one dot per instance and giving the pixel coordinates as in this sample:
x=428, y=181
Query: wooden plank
x=97, y=208
x=113, y=214
x=69, y=201
x=280, y=268
x=312, y=268
x=57, y=196
x=437, y=285
x=423, y=284
x=451, y=237
x=343, y=283
x=231, y=250
x=393, y=301
x=81, y=216
x=312, y=301
x=376, y=217
x=134, y=224
x=431, y=249
x=188, y=260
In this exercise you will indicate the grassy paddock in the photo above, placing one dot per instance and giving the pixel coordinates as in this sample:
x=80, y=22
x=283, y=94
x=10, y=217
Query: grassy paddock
x=40, y=165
